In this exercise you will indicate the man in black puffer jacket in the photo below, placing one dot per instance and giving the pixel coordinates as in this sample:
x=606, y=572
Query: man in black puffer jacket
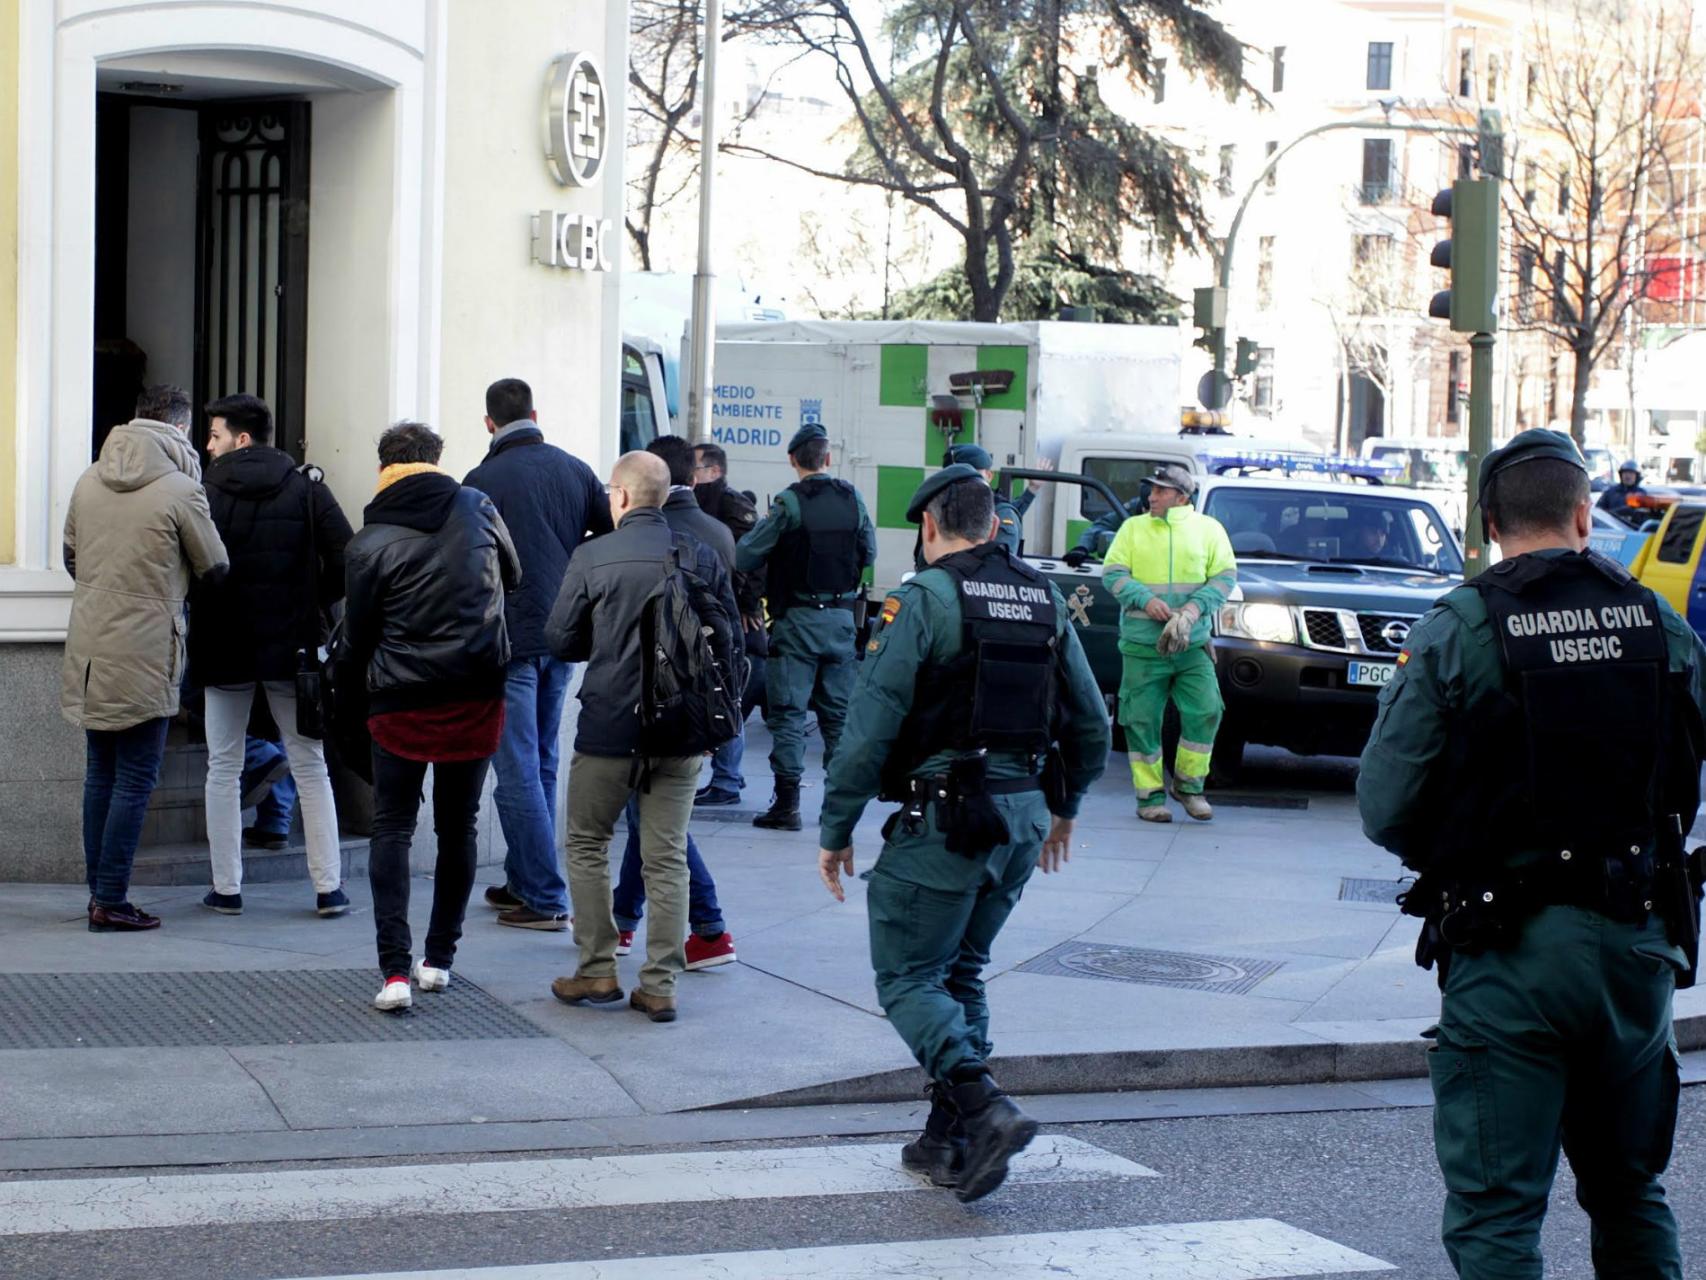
x=551, y=501
x=425, y=621
x=285, y=535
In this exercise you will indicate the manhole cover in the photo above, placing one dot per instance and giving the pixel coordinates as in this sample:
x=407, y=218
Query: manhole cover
x=179, y=1010
x=1352, y=889
x=1233, y=975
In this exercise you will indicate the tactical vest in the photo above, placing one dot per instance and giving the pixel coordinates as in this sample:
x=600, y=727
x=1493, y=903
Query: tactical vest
x=1000, y=692
x=821, y=557
x=1565, y=766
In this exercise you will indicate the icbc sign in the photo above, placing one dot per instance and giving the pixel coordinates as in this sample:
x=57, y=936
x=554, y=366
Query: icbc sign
x=577, y=138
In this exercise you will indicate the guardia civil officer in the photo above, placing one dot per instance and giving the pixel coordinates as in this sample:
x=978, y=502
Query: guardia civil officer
x=1009, y=512
x=977, y=710
x=1536, y=760
x=817, y=542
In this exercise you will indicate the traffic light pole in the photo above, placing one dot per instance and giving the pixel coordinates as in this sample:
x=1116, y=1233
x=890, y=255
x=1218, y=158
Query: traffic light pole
x=1365, y=126
x=1480, y=445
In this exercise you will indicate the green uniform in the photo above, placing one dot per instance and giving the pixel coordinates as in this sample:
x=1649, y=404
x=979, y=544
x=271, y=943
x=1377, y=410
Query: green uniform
x=1182, y=558
x=1564, y=1036
x=1010, y=519
x=934, y=914
x=812, y=663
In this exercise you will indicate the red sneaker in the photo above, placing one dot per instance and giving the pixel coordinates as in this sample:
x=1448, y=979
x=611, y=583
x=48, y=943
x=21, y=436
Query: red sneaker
x=708, y=953
x=624, y=941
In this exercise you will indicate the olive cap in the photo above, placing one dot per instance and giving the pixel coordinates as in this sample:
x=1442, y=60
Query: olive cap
x=973, y=455
x=808, y=431
x=935, y=484
x=1528, y=446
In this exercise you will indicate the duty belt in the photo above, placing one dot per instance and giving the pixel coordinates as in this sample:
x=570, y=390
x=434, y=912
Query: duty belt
x=839, y=602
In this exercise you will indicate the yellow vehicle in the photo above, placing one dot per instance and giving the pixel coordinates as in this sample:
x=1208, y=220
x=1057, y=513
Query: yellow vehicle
x=1670, y=563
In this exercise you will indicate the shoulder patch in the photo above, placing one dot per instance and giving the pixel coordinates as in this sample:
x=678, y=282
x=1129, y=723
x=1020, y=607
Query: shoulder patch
x=1403, y=657
x=891, y=608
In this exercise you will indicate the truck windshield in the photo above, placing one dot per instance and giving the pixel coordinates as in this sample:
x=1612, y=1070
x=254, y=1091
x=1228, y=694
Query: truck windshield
x=1356, y=527
x=1426, y=468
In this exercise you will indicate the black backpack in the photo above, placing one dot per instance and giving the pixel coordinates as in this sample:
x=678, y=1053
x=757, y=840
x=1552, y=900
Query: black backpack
x=689, y=700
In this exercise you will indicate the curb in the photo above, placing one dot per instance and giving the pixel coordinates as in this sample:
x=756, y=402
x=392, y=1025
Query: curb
x=1153, y=1069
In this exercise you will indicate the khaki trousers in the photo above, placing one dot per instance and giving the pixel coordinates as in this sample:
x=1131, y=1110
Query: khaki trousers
x=599, y=787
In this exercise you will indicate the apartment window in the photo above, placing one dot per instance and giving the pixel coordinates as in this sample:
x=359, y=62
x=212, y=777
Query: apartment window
x=1159, y=80
x=1530, y=184
x=1532, y=93
x=1224, y=183
x=1453, y=380
x=1465, y=160
x=1265, y=272
x=1262, y=394
x=1376, y=170
x=1279, y=68
x=1563, y=191
x=1492, y=78
x=1379, y=64
x=1525, y=285
x=1466, y=73
x=1272, y=180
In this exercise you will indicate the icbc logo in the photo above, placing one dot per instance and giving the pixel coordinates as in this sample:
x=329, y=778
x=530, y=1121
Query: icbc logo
x=577, y=120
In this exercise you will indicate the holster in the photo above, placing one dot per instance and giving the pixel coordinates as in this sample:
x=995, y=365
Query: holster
x=971, y=824
x=1054, y=780
x=1679, y=882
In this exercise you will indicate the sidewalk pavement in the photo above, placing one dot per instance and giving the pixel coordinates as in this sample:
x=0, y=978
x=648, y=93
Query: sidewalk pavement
x=1259, y=949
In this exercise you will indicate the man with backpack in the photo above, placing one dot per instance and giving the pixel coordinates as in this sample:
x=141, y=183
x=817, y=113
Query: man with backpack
x=657, y=695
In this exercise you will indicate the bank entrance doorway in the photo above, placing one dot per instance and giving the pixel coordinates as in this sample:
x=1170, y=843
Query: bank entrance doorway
x=201, y=255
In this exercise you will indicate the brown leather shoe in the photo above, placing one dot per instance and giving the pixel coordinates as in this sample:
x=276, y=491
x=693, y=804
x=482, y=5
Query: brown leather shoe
x=578, y=990
x=123, y=918
x=657, y=1008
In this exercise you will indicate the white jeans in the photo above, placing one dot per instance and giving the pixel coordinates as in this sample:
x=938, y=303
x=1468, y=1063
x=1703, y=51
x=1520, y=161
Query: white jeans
x=227, y=726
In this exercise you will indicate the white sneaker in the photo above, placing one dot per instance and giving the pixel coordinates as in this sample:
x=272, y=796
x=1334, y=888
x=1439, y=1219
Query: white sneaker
x=428, y=978
x=394, y=995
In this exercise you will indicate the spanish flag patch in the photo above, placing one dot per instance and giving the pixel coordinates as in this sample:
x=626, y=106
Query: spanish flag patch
x=891, y=609
x=1403, y=657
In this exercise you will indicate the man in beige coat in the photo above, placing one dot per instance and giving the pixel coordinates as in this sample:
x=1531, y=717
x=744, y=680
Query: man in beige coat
x=137, y=528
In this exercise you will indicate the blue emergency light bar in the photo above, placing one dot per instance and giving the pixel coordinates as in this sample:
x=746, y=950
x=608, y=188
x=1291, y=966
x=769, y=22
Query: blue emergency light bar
x=1373, y=469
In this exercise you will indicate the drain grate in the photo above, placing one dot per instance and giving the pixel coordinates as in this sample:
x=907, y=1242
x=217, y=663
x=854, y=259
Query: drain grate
x=1352, y=889
x=1255, y=800
x=1229, y=975
x=181, y=1010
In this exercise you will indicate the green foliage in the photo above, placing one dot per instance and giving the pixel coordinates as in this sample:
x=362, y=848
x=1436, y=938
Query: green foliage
x=1041, y=288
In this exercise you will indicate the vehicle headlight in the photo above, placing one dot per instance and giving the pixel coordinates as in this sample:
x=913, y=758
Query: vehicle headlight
x=1258, y=621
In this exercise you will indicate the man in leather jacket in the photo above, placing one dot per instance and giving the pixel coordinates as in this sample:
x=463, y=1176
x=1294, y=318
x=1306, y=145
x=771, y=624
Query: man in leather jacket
x=424, y=619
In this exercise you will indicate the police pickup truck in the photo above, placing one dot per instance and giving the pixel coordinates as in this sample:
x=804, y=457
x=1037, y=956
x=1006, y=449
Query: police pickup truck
x=1334, y=567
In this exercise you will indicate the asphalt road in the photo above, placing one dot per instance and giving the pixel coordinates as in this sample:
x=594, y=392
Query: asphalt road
x=1365, y=1180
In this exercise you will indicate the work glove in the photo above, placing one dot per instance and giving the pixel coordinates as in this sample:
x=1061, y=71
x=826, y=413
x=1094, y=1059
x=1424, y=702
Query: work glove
x=1176, y=635
x=1076, y=556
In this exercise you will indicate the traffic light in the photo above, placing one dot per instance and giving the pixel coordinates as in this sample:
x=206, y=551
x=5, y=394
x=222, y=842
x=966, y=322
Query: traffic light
x=1210, y=314
x=1245, y=362
x=1471, y=255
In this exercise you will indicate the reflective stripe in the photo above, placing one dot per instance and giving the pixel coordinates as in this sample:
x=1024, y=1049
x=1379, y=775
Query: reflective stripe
x=1196, y=748
x=1167, y=588
x=1152, y=757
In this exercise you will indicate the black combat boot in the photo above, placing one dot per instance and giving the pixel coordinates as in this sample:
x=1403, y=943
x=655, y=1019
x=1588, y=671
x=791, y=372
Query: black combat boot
x=940, y=1151
x=784, y=811
x=996, y=1131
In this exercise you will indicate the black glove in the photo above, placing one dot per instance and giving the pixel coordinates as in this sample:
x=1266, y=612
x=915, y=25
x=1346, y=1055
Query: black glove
x=1076, y=556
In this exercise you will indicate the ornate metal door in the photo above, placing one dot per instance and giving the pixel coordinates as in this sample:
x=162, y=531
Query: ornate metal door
x=252, y=260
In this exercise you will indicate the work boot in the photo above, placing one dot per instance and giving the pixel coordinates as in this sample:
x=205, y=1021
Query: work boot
x=784, y=811
x=939, y=1152
x=996, y=1131
x=657, y=1008
x=1154, y=813
x=579, y=990
x=1195, y=805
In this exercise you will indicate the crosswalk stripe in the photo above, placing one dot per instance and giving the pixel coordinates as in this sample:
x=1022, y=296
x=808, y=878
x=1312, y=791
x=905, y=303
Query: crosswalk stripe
x=54, y=1206
x=1250, y=1249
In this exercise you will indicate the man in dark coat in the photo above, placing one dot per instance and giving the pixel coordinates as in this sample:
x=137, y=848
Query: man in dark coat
x=738, y=514
x=551, y=501
x=286, y=536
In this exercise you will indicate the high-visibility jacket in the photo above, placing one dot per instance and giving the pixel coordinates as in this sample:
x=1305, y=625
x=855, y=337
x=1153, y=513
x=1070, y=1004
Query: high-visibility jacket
x=1183, y=557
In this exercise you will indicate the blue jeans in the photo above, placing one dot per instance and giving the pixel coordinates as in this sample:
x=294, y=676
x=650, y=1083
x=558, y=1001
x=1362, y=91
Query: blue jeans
x=123, y=768
x=526, y=794
x=272, y=814
x=704, y=915
x=725, y=764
